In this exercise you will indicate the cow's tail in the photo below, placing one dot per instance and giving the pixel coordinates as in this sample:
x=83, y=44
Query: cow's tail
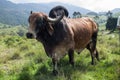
x=92, y=45
x=95, y=32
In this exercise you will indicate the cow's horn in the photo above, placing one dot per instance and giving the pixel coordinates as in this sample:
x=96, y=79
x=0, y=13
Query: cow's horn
x=56, y=19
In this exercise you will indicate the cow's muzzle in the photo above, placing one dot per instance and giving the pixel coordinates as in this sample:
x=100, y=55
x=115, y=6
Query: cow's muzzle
x=29, y=35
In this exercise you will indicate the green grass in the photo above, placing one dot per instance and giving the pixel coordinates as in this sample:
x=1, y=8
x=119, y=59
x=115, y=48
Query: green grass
x=24, y=59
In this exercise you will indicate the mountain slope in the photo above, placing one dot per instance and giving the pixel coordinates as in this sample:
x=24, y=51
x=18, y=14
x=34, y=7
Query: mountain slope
x=16, y=14
x=116, y=10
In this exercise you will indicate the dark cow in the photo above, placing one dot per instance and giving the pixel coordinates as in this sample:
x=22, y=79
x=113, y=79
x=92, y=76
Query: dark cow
x=111, y=23
x=57, y=11
x=61, y=35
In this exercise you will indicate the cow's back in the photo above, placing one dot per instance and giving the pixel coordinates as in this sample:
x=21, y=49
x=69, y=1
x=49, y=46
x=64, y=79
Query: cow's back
x=81, y=29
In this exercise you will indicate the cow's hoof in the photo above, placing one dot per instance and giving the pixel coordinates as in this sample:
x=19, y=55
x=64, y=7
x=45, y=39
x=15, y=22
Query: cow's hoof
x=98, y=59
x=92, y=63
x=55, y=72
x=72, y=63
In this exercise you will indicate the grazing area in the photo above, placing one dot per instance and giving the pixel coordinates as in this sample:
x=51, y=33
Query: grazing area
x=25, y=59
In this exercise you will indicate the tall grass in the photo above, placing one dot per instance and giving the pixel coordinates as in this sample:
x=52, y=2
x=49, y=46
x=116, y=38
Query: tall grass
x=24, y=59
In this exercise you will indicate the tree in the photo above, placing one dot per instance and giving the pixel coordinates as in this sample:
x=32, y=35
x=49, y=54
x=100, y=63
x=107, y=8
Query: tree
x=77, y=15
x=109, y=14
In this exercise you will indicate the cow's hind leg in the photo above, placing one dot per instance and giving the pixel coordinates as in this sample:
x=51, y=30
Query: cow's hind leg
x=92, y=48
x=89, y=47
x=71, y=56
x=94, y=41
x=97, y=55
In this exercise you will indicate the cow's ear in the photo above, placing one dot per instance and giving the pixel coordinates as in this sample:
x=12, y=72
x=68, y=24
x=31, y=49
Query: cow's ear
x=31, y=12
x=50, y=30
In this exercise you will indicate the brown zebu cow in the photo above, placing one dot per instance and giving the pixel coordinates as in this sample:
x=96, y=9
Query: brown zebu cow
x=61, y=35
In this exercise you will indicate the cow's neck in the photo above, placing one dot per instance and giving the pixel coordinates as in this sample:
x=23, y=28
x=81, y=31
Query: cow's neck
x=52, y=40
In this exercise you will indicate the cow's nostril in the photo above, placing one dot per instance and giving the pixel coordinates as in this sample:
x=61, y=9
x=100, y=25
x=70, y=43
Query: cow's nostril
x=29, y=35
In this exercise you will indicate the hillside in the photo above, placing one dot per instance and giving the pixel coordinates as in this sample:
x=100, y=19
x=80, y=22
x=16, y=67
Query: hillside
x=16, y=14
x=25, y=59
x=116, y=10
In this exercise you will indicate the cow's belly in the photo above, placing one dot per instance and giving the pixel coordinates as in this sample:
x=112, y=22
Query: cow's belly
x=59, y=52
x=79, y=50
x=82, y=42
x=62, y=49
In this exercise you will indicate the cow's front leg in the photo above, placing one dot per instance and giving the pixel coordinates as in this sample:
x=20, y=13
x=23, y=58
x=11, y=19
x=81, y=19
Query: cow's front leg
x=71, y=56
x=55, y=72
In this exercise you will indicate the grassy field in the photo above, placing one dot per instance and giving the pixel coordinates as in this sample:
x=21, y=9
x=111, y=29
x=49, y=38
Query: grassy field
x=23, y=59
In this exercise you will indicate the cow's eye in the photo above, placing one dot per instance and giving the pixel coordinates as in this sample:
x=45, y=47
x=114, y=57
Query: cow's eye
x=40, y=22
